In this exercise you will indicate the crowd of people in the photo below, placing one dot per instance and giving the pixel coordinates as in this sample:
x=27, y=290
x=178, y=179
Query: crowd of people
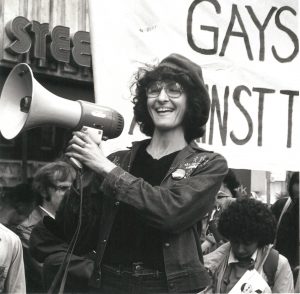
x=165, y=216
x=21, y=208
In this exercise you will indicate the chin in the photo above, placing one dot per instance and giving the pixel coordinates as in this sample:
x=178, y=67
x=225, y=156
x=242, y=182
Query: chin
x=166, y=127
x=243, y=258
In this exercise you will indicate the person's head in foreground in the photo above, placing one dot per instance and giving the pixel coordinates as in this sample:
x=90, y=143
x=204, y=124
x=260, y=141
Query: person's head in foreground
x=172, y=97
x=17, y=203
x=248, y=224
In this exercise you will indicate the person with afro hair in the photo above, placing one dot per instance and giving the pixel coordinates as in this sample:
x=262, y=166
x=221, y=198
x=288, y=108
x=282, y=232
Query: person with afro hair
x=249, y=225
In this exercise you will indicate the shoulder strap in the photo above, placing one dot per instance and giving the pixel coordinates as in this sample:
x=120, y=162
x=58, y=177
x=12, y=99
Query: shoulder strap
x=284, y=209
x=270, y=266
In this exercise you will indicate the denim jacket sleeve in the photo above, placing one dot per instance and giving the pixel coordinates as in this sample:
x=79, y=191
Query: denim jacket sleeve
x=176, y=204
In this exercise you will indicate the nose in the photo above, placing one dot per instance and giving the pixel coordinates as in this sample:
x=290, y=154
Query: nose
x=241, y=250
x=162, y=97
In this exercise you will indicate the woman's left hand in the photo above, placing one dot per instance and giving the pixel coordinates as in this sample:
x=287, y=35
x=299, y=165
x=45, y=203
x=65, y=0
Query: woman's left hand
x=85, y=150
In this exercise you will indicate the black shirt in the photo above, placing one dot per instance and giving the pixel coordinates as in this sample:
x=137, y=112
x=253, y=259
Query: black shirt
x=131, y=239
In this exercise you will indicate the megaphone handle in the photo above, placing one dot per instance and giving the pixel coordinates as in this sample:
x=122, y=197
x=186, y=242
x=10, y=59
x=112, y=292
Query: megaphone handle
x=96, y=136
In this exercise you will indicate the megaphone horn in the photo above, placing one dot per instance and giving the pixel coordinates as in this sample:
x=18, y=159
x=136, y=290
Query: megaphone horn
x=26, y=104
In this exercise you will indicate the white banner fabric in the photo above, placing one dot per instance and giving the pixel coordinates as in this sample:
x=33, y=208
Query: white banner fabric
x=249, y=53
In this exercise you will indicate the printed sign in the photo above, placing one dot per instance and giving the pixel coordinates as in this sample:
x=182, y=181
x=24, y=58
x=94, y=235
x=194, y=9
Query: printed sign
x=248, y=51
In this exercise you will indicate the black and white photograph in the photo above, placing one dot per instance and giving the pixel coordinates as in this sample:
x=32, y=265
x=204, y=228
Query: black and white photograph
x=149, y=146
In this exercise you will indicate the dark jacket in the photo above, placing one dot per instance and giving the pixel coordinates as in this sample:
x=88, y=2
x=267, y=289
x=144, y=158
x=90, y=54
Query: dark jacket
x=175, y=207
x=288, y=231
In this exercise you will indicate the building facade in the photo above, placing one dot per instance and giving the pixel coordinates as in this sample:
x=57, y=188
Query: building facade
x=52, y=37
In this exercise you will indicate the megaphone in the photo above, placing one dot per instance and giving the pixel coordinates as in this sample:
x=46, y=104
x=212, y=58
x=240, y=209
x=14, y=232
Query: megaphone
x=26, y=104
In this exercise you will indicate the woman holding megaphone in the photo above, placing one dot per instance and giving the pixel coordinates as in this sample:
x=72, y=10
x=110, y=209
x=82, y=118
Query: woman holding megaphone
x=154, y=195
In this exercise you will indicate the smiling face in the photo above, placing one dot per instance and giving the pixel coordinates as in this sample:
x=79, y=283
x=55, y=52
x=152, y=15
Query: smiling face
x=166, y=103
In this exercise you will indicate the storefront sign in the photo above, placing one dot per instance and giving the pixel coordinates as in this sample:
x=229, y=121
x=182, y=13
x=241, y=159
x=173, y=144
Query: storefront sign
x=49, y=49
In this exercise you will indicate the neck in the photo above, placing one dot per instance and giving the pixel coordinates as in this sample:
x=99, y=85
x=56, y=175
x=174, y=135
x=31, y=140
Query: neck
x=164, y=143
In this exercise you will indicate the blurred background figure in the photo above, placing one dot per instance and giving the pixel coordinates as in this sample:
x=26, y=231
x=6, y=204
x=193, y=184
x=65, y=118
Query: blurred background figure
x=229, y=191
x=50, y=183
x=231, y=186
x=286, y=211
x=15, y=206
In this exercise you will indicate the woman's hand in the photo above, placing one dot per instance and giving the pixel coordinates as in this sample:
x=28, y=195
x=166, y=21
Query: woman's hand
x=85, y=150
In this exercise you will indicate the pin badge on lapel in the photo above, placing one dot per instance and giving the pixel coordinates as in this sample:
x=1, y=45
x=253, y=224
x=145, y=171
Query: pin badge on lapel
x=178, y=174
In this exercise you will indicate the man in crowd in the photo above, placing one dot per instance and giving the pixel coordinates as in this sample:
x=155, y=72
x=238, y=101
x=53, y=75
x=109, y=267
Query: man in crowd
x=50, y=182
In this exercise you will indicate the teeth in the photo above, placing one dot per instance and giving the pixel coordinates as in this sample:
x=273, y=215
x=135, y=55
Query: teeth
x=163, y=109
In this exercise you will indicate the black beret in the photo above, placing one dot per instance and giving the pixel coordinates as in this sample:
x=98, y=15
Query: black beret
x=182, y=64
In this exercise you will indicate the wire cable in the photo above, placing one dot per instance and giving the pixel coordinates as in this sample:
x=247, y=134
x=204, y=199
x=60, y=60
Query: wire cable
x=64, y=267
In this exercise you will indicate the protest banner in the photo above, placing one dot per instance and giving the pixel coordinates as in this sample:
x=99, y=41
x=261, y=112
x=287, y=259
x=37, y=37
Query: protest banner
x=248, y=51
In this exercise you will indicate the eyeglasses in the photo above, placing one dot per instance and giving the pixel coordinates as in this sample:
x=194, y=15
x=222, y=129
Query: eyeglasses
x=59, y=188
x=172, y=89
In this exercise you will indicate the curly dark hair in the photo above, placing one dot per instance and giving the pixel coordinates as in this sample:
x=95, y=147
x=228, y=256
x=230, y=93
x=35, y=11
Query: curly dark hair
x=192, y=122
x=248, y=220
x=21, y=197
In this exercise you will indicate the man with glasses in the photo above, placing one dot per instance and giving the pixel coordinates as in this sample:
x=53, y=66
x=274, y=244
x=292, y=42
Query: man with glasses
x=51, y=182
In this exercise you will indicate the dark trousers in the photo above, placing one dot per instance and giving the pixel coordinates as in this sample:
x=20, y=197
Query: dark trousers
x=123, y=282
x=113, y=284
x=119, y=280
